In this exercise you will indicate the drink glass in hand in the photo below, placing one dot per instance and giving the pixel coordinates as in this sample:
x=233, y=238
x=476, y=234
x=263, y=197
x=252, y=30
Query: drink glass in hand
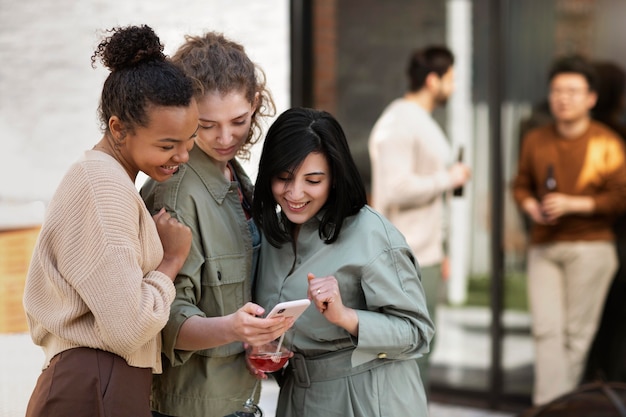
x=267, y=357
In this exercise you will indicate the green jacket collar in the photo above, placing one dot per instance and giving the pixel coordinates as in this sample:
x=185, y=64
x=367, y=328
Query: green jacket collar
x=213, y=178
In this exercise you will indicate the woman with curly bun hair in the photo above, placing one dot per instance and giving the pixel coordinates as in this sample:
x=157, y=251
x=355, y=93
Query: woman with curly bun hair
x=204, y=367
x=99, y=288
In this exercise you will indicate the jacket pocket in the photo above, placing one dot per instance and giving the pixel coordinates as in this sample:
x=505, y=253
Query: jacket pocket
x=225, y=289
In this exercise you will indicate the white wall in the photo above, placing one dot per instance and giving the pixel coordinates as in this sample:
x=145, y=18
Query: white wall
x=49, y=92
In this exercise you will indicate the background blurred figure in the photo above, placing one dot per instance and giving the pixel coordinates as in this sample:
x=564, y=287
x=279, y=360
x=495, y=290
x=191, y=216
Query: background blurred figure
x=607, y=358
x=539, y=116
x=610, y=104
x=571, y=182
x=412, y=168
x=204, y=367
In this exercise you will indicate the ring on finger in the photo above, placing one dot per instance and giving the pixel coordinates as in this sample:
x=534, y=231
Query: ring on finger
x=319, y=292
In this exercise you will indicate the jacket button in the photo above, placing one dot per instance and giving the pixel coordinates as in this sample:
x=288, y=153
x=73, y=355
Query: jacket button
x=382, y=355
x=219, y=275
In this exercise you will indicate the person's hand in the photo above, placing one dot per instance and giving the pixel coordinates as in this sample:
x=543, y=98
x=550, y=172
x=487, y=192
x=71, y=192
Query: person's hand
x=554, y=206
x=251, y=368
x=459, y=174
x=445, y=269
x=325, y=295
x=255, y=331
x=532, y=207
x=176, y=240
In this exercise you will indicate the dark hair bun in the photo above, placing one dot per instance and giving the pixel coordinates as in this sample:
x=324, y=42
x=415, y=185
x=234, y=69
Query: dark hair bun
x=128, y=47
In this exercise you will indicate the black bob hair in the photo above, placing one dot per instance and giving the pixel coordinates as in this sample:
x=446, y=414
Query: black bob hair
x=292, y=137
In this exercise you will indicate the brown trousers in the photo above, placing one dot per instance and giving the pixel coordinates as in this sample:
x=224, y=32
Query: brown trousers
x=84, y=382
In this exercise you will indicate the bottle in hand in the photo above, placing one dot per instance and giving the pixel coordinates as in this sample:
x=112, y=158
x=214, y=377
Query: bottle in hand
x=458, y=191
x=550, y=183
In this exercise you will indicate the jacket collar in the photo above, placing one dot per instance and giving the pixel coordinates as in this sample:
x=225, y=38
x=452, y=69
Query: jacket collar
x=213, y=178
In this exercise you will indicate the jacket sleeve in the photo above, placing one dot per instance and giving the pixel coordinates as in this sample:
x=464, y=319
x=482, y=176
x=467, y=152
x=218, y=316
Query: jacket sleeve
x=188, y=281
x=184, y=306
x=524, y=182
x=396, y=324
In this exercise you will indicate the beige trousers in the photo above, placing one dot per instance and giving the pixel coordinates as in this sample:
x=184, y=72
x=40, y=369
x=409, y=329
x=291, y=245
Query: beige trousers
x=567, y=285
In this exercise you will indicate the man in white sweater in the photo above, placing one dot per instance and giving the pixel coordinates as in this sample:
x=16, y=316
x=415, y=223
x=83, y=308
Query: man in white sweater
x=413, y=168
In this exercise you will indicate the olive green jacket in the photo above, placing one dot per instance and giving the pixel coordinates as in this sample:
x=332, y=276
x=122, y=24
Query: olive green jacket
x=215, y=281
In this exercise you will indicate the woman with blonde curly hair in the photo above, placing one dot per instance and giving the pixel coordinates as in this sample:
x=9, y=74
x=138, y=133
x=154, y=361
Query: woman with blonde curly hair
x=205, y=372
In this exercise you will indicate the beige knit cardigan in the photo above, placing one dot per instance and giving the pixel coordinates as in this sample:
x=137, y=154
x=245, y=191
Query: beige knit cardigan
x=92, y=279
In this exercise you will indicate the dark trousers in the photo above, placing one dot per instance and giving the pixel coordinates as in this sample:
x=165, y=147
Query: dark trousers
x=85, y=382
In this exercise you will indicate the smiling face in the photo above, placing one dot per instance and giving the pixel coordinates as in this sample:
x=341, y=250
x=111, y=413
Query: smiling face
x=160, y=147
x=301, y=194
x=224, y=124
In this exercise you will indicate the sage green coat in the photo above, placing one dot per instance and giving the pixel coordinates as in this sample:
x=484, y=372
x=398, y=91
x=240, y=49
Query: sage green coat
x=378, y=276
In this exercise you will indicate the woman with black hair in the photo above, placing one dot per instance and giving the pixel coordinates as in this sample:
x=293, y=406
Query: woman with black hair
x=354, y=347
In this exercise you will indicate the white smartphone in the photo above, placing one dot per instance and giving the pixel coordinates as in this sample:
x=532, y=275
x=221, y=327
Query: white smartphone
x=290, y=308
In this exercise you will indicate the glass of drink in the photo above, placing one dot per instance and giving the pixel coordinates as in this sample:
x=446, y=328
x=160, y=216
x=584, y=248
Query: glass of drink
x=269, y=357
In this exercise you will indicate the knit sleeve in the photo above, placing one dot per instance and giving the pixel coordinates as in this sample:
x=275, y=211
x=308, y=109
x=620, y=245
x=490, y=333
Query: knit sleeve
x=129, y=309
x=524, y=182
x=111, y=251
x=611, y=198
x=409, y=153
x=400, y=184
